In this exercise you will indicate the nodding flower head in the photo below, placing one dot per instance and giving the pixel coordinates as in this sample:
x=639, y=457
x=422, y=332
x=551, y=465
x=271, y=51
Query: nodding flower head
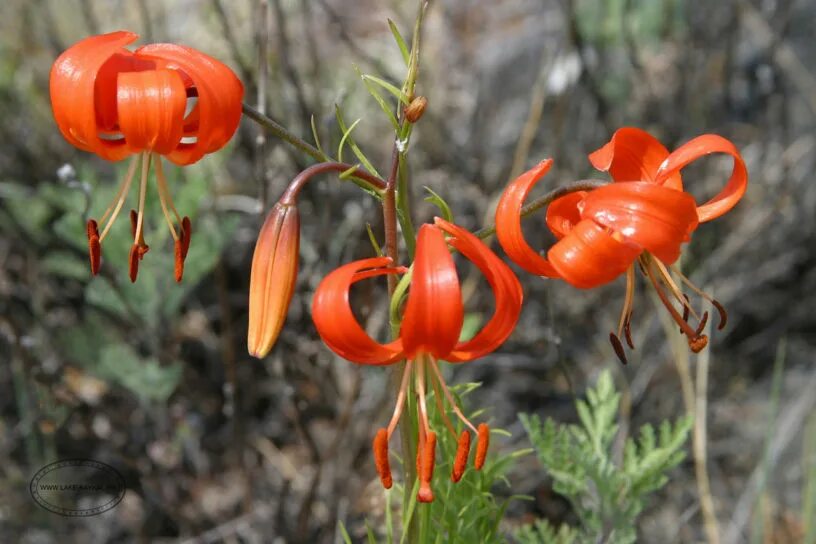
x=159, y=100
x=643, y=218
x=430, y=330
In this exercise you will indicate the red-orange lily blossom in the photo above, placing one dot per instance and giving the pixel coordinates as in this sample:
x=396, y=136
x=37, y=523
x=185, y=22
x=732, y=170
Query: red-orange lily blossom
x=117, y=103
x=431, y=325
x=643, y=217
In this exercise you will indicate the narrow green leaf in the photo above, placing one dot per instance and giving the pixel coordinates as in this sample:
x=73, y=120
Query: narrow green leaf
x=391, y=88
x=375, y=93
x=316, y=137
x=373, y=239
x=344, y=533
x=346, y=134
x=439, y=202
x=403, y=47
x=352, y=144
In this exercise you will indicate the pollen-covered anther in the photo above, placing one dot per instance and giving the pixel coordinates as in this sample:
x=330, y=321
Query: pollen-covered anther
x=133, y=264
x=178, y=250
x=627, y=330
x=460, y=461
x=428, y=456
x=380, y=447
x=482, y=443
x=94, y=246
x=697, y=344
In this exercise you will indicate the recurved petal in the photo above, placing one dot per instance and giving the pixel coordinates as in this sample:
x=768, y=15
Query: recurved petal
x=699, y=147
x=151, y=108
x=563, y=213
x=72, y=88
x=506, y=290
x=273, y=277
x=591, y=255
x=433, y=314
x=508, y=222
x=653, y=217
x=335, y=322
x=633, y=155
x=219, y=94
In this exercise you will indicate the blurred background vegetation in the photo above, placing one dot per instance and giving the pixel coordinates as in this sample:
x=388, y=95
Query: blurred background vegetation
x=154, y=379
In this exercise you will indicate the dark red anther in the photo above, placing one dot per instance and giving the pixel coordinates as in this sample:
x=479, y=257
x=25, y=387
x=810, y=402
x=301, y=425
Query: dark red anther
x=702, y=324
x=723, y=314
x=686, y=309
x=627, y=330
x=618, y=347
x=186, y=234
x=133, y=265
x=94, y=246
x=134, y=222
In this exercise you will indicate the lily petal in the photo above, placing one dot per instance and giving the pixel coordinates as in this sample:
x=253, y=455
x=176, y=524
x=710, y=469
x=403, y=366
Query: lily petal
x=72, y=88
x=591, y=255
x=433, y=314
x=563, y=213
x=508, y=222
x=151, y=108
x=634, y=155
x=700, y=147
x=648, y=215
x=336, y=323
x=506, y=289
x=219, y=97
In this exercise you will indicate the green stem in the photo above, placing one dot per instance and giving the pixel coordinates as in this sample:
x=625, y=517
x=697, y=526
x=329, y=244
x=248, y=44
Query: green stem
x=360, y=178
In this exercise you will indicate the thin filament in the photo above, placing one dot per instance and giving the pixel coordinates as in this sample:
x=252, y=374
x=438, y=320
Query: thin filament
x=121, y=198
x=164, y=198
x=123, y=187
x=423, y=410
x=400, y=399
x=440, y=407
x=142, y=193
x=689, y=332
x=675, y=289
x=449, y=396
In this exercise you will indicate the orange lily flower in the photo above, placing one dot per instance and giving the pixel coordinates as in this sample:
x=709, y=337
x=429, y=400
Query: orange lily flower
x=117, y=103
x=643, y=217
x=431, y=325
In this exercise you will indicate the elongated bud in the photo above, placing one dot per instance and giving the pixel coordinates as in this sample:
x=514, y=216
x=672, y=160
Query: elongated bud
x=94, y=247
x=482, y=442
x=380, y=448
x=273, y=277
x=425, y=493
x=415, y=109
x=460, y=461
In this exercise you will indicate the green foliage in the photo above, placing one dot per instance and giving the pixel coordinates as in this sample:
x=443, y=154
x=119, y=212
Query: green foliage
x=607, y=496
x=542, y=531
x=118, y=313
x=466, y=511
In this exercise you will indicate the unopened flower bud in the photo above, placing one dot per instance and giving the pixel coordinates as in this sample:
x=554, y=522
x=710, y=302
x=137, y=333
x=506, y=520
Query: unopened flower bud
x=273, y=277
x=415, y=109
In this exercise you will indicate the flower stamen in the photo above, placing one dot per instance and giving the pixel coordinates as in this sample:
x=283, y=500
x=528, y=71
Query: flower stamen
x=462, y=451
x=449, y=396
x=482, y=443
x=120, y=198
x=380, y=447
